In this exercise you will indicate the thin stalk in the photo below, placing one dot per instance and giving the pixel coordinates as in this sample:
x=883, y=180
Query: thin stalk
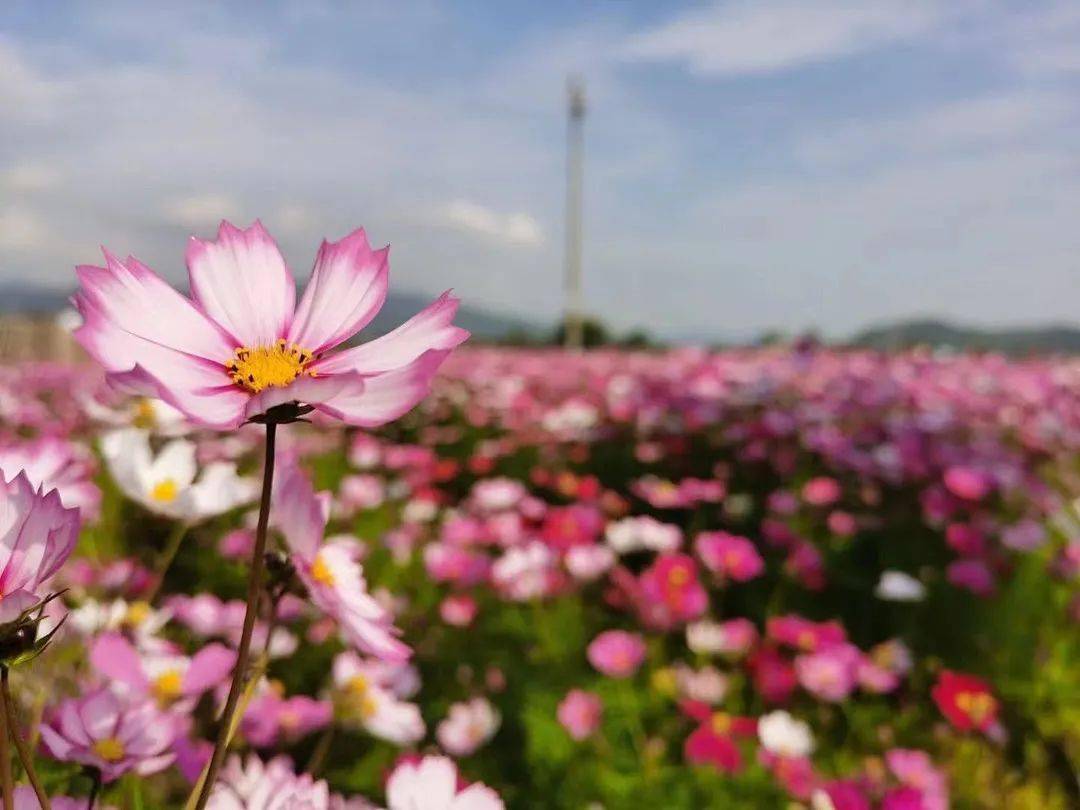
x=165, y=561
x=95, y=788
x=5, y=765
x=322, y=748
x=25, y=757
x=255, y=584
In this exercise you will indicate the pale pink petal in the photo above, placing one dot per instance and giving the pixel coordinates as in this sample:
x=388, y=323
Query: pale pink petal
x=304, y=389
x=142, y=304
x=219, y=407
x=385, y=397
x=241, y=281
x=431, y=328
x=477, y=797
x=209, y=667
x=298, y=512
x=113, y=656
x=346, y=290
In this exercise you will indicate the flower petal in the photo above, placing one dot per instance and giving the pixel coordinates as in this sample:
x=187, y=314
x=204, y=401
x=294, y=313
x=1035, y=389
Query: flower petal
x=113, y=656
x=241, y=281
x=431, y=328
x=137, y=301
x=385, y=397
x=307, y=390
x=347, y=289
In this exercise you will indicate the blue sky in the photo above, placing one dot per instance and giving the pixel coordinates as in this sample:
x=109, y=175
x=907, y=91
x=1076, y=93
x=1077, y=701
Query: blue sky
x=750, y=165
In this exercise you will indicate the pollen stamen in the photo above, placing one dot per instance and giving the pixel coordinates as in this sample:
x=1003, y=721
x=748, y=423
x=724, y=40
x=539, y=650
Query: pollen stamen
x=265, y=366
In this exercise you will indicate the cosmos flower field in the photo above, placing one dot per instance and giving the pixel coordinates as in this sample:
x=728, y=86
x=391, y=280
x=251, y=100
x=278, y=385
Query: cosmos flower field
x=617, y=572
x=751, y=578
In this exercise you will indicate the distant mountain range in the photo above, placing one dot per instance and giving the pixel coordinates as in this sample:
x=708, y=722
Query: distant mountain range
x=1022, y=340
x=399, y=307
x=487, y=325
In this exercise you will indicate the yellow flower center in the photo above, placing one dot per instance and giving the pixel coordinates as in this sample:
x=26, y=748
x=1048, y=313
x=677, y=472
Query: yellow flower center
x=144, y=416
x=164, y=491
x=976, y=705
x=264, y=366
x=109, y=749
x=321, y=573
x=721, y=722
x=357, y=685
x=167, y=687
x=137, y=613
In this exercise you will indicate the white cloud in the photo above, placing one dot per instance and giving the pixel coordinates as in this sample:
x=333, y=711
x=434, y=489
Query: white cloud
x=30, y=177
x=959, y=126
x=765, y=36
x=512, y=229
x=21, y=230
x=201, y=210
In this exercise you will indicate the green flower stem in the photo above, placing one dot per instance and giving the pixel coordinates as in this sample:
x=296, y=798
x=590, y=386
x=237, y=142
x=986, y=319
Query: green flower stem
x=254, y=595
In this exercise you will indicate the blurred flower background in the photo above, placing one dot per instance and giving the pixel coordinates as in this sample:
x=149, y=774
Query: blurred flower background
x=755, y=485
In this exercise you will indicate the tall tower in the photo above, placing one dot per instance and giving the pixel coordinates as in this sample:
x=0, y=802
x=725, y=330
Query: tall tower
x=573, y=320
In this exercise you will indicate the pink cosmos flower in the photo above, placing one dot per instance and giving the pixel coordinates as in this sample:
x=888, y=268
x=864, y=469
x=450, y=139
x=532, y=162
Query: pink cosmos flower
x=714, y=741
x=579, y=713
x=26, y=799
x=166, y=677
x=330, y=572
x=672, y=582
x=52, y=463
x=458, y=610
x=115, y=735
x=917, y=772
x=36, y=536
x=968, y=483
x=972, y=574
x=433, y=784
x=467, y=726
x=804, y=634
x=272, y=719
x=616, y=653
x=830, y=674
x=241, y=344
x=368, y=694
x=821, y=491
x=729, y=555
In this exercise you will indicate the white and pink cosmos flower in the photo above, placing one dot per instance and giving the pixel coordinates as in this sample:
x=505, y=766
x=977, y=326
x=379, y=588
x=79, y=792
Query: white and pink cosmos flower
x=242, y=345
x=168, y=676
x=37, y=534
x=467, y=726
x=432, y=784
x=330, y=571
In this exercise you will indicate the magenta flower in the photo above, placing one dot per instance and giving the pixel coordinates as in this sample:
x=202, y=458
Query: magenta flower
x=616, y=653
x=580, y=713
x=241, y=345
x=671, y=586
x=105, y=731
x=165, y=676
x=330, y=571
x=36, y=535
x=729, y=555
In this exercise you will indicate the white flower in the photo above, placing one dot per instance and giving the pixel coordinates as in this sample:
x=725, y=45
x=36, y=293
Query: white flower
x=467, y=726
x=431, y=784
x=523, y=573
x=642, y=534
x=705, y=637
x=586, y=563
x=364, y=694
x=783, y=735
x=166, y=483
x=896, y=586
